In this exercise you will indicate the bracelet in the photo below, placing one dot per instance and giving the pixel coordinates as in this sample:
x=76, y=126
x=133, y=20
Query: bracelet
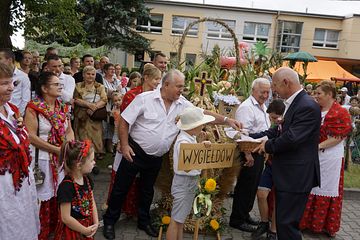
x=225, y=118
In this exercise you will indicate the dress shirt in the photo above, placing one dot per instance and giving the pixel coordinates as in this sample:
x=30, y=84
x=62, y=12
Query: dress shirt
x=22, y=90
x=253, y=116
x=69, y=87
x=151, y=126
x=289, y=101
x=183, y=137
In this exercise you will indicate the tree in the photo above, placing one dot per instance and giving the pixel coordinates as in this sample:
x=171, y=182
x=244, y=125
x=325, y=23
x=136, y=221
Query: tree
x=39, y=18
x=112, y=23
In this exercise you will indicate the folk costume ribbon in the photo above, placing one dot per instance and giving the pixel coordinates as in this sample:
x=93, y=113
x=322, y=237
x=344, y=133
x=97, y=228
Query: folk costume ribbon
x=14, y=158
x=56, y=135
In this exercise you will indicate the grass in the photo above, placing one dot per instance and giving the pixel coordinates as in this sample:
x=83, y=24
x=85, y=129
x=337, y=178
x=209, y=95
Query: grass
x=352, y=177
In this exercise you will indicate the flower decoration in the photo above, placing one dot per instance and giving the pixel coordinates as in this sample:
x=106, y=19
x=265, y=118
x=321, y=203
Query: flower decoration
x=228, y=99
x=202, y=202
x=165, y=220
x=214, y=224
x=210, y=185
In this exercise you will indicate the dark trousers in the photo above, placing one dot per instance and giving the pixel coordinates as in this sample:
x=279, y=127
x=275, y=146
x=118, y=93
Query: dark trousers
x=245, y=190
x=289, y=210
x=148, y=167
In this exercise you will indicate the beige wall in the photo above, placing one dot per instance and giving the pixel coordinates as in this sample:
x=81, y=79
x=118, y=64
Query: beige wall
x=348, y=46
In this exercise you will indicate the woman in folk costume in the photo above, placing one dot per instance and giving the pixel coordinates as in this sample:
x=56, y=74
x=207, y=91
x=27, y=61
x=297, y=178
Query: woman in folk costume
x=48, y=121
x=19, y=212
x=323, y=209
x=150, y=80
x=78, y=217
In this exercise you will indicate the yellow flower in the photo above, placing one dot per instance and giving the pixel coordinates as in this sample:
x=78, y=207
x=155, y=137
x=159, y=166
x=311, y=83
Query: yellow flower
x=214, y=224
x=165, y=220
x=210, y=185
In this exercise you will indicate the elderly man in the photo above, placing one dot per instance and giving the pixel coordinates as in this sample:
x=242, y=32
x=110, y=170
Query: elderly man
x=21, y=94
x=152, y=116
x=103, y=60
x=295, y=161
x=55, y=65
x=344, y=93
x=252, y=114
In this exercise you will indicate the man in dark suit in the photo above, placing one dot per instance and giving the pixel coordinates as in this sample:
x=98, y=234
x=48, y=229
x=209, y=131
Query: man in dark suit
x=295, y=153
x=87, y=60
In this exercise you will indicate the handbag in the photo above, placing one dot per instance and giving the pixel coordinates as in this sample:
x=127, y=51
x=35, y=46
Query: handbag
x=38, y=174
x=99, y=114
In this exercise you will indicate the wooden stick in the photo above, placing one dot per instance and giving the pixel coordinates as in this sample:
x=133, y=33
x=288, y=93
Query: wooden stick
x=196, y=230
x=160, y=233
x=218, y=237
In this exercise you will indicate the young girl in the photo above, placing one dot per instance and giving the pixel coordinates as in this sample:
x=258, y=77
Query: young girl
x=78, y=218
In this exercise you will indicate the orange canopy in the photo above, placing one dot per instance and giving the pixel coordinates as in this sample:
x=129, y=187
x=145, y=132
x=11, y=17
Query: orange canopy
x=324, y=70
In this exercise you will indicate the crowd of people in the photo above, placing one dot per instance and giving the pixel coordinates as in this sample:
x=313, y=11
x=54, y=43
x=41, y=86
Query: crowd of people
x=57, y=119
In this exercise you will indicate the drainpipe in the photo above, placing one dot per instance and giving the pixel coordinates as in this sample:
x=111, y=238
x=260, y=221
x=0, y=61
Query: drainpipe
x=276, y=28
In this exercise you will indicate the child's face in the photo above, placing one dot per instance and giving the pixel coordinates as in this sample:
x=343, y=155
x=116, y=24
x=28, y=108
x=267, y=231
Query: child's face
x=275, y=118
x=135, y=82
x=354, y=103
x=89, y=163
x=117, y=100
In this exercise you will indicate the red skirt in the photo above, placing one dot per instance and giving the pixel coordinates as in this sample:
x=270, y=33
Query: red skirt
x=130, y=205
x=323, y=214
x=63, y=232
x=48, y=218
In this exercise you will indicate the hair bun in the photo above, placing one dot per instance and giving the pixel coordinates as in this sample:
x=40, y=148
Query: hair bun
x=149, y=66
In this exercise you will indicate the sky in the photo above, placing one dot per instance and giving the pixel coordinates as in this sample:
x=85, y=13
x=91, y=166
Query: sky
x=327, y=7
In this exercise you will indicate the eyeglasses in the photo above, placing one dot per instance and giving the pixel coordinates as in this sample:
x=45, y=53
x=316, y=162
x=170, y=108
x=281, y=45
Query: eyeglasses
x=57, y=84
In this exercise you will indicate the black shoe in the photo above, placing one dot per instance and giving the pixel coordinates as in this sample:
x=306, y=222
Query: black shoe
x=252, y=221
x=244, y=227
x=149, y=230
x=109, y=231
x=262, y=228
x=271, y=236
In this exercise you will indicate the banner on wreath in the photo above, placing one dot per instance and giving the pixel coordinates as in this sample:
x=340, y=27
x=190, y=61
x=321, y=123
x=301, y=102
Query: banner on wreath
x=197, y=156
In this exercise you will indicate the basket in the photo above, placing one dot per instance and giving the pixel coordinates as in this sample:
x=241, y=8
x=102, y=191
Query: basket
x=247, y=146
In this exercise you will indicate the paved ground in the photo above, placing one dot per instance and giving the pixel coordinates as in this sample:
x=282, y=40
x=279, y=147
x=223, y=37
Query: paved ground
x=126, y=229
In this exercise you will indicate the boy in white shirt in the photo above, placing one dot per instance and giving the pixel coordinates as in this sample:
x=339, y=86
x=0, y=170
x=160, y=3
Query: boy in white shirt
x=184, y=183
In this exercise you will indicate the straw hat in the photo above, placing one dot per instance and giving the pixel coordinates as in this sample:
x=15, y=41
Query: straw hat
x=192, y=117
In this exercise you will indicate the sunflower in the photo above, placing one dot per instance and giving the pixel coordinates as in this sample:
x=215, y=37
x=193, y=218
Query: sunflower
x=210, y=185
x=165, y=220
x=214, y=224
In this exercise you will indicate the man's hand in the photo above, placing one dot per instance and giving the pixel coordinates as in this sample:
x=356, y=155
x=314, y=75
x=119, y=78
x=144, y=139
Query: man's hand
x=261, y=148
x=234, y=123
x=249, y=160
x=118, y=147
x=207, y=144
x=127, y=153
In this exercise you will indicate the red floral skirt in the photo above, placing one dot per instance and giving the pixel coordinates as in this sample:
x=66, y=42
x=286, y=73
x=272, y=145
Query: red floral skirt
x=323, y=214
x=130, y=205
x=63, y=232
x=48, y=218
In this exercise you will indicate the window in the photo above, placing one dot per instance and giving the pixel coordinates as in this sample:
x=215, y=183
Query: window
x=289, y=35
x=190, y=59
x=153, y=25
x=179, y=24
x=326, y=38
x=256, y=31
x=215, y=30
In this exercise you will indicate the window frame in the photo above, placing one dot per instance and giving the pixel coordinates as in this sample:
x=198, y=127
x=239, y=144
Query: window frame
x=280, y=37
x=325, y=42
x=148, y=28
x=255, y=36
x=222, y=31
x=186, y=24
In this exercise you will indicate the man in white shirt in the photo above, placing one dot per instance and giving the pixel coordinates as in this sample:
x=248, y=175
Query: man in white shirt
x=22, y=89
x=344, y=92
x=252, y=114
x=54, y=64
x=152, y=116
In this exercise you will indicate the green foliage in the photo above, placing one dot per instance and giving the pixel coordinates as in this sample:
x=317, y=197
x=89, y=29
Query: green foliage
x=52, y=20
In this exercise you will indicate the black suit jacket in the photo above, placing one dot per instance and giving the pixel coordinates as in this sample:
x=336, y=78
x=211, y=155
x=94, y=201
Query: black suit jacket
x=79, y=77
x=295, y=162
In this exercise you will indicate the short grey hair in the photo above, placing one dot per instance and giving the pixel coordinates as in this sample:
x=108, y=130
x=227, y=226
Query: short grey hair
x=169, y=76
x=259, y=81
x=88, y=69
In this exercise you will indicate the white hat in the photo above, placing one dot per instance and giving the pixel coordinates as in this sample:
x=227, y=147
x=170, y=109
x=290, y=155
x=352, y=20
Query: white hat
x=192, y=117
x=343, y=89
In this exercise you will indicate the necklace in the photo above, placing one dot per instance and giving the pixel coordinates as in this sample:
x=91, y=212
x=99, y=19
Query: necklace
x=84, y=201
